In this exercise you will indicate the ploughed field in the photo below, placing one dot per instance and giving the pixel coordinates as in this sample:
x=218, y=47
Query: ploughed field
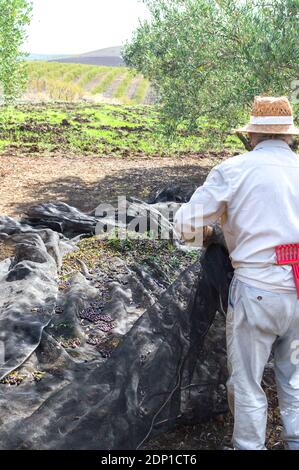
x=96, y=83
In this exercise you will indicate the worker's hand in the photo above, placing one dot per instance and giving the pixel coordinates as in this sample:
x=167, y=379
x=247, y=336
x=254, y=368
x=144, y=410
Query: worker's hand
x=207, y=233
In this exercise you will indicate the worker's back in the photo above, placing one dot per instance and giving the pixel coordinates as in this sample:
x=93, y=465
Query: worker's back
x=262, y=211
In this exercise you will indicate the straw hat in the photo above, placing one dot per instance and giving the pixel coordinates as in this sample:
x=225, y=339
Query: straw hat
x=271, y=115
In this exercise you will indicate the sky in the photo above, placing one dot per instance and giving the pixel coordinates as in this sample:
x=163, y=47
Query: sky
x=77, y=26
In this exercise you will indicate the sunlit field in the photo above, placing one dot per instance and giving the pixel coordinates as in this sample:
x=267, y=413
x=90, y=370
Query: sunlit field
x=71, y=82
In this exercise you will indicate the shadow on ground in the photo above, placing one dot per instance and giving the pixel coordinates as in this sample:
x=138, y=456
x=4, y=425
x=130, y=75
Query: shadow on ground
x=139, y=182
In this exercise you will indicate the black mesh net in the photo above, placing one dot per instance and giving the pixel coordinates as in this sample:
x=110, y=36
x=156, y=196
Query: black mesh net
x=165, y=365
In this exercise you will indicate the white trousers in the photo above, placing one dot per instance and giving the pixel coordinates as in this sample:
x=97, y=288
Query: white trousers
x=257, y=320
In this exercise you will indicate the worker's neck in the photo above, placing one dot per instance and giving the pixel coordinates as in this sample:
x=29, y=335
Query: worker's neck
x=270, y=143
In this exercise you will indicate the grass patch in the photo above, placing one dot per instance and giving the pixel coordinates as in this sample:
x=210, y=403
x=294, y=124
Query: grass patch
x=77, y=128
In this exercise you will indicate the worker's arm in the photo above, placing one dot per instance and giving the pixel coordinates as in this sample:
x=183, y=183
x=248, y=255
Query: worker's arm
x=205, y=207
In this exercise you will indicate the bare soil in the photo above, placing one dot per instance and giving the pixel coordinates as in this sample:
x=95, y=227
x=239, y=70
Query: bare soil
x=133, y=87
x=94, y=82
x=87, y=181
x=112, y=87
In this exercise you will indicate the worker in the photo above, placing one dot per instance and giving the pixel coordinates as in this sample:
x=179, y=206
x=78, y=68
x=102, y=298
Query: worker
x=256, y=195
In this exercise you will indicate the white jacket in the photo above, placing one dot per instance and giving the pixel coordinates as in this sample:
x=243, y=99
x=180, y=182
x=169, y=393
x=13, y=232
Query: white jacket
x=258, y=192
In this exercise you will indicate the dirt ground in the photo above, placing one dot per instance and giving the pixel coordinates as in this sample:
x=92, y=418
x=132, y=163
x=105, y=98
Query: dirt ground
x=89, y=180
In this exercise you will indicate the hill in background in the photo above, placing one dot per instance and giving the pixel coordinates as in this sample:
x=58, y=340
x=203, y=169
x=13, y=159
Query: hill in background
x=110, y=56
x=44, y=56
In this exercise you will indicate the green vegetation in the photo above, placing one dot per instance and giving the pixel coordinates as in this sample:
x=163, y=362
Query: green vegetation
x=14, y=17
x=103, y=130
x=209, y=58
x=70, y=82
x=141, y=91
x=124, y=84
x=90, y=74
x=111, y=74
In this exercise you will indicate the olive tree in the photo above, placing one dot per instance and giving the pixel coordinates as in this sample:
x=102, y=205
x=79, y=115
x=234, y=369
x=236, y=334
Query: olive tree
x=208, y=57
x=14, y=17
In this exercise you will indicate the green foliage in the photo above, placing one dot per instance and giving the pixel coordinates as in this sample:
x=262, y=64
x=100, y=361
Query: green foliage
x=209, y=58
x=14, y=17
